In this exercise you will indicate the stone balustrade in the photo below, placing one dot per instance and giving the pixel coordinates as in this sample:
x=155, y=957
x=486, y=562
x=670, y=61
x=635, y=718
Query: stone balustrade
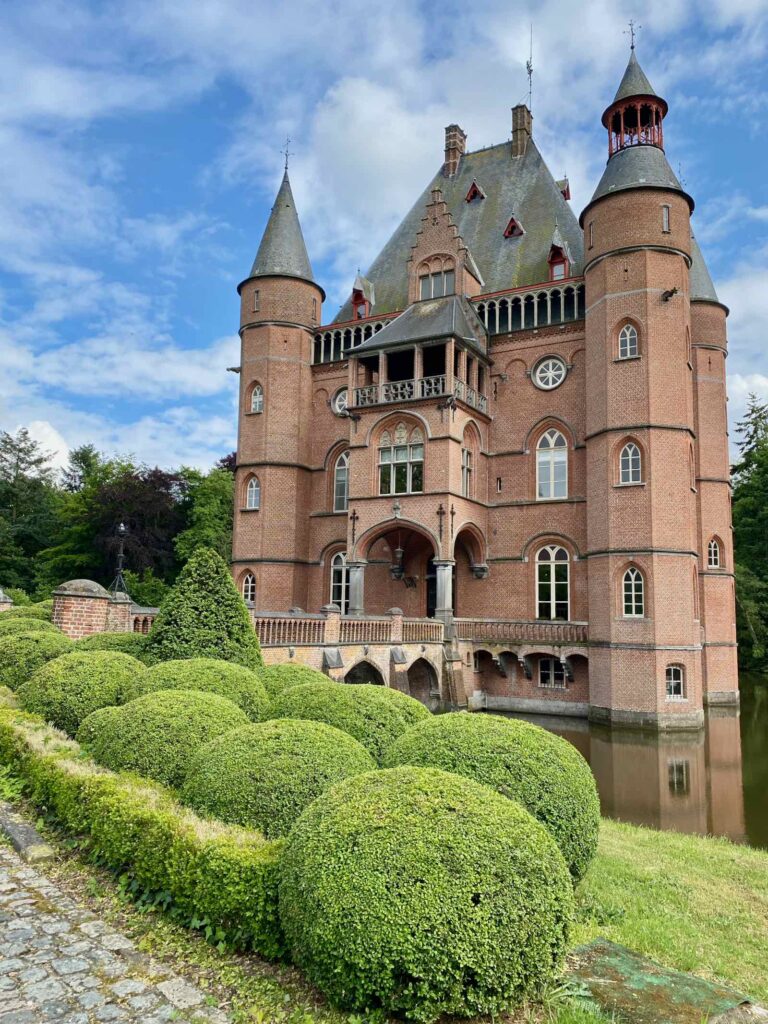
x=411, y=390
x=331, y=628
x=509, y=631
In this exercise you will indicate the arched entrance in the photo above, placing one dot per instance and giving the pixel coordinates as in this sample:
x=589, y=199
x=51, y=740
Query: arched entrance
x=423, y=683
x=364, y=672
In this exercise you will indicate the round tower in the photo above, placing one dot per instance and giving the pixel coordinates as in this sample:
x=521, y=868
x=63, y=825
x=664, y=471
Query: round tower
x=643, y=539
x=280, y=307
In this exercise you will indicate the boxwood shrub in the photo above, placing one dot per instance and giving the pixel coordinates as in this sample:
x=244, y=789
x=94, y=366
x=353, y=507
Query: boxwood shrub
x=263, y=776
x=240, y=685
x=68, y=688
x=13, y=624
x=42, y=610
x=22, y=654
x=544, y=772
x=374, y=715
x=277, y=678
x=156, y=735
x=126, y=643
x=416, y=892
x=215, y=877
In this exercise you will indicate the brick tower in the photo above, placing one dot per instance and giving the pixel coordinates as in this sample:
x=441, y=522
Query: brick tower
x=280, y=307
x=641, y=429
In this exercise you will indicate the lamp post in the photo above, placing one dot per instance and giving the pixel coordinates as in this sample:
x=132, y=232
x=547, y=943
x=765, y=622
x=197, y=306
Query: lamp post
x=118, y=584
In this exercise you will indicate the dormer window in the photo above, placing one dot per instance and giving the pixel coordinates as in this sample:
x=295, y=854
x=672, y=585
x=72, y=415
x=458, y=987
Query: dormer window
x=433, y=286
x=475, y=192
x=558, y=264
x=513, y=229
x=360, y=305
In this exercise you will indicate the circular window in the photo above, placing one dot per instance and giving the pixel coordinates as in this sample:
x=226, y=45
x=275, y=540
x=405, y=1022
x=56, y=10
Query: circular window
x=339, y=402
x=549, y=373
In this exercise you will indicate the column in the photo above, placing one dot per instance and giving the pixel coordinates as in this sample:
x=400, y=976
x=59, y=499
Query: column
x=444, y=603
x=356, y=588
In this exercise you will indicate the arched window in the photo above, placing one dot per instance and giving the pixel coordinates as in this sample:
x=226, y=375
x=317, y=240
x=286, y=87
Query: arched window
x=714, y=559
x=628, y=346
x=552, y=586
x=253, y=493
x=340, y=582
x=675, y=682
x=401, y=465
x=552, y=466
x=630, y=464
x=466, y=472
x=341, y=483
x=634, y=594
x=249, y=588
x=257, y=398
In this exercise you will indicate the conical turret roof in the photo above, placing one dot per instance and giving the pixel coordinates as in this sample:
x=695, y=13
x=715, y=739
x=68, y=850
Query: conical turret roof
x=702, y=288
x=282, y=252
x=634, y=82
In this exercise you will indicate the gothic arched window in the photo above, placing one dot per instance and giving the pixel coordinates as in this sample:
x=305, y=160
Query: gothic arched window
x=630, y=464
x=401, y=465
x=628, y=345
x=633, y=594
x=552, y=466
x=714, y=558
x=257, y=398
x=552, y=583
x=340, y=582
x=341, y=483
x=253, y=494
x=249, y=587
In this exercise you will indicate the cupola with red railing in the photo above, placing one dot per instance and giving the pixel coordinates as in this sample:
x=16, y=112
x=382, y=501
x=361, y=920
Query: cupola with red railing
x=635, y=118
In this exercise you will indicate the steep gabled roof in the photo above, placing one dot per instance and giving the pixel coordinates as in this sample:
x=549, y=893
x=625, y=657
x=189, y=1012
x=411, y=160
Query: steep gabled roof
x=282, y=251
x=514, y=186
x=451, y=316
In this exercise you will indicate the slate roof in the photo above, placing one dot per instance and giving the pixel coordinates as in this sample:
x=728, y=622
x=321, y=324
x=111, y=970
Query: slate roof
x=431, y=319
x=634, y=82
x=520, y=187
x=702, y=288
x=282, y=250
x=637, y=167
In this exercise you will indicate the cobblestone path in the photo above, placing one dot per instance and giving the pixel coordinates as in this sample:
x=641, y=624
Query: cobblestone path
x=60, y=963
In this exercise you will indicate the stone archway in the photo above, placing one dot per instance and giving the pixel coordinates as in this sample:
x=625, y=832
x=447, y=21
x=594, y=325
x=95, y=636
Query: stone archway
x=364, y=672
x=423, y=682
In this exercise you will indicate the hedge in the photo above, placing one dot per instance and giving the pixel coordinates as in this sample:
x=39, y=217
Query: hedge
x=126, y=643
x=22, y=654
x=240, y=685
x=263, y=776
x=13, y=624
x=544, y=772
x=157, y=735
x=215, y=877
x=277, y=678
x=204, y=616
x=43, y=610
x=374, y=715
x=67, y=689
x=416, y=892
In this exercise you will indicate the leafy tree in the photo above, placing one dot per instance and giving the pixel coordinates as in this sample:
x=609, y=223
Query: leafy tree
x=228, y=462
x=146, y=588
x=750, y=523
x=751, y=619
x=210, y=509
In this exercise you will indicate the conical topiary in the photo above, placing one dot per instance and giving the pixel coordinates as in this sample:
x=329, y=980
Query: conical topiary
x=203, y=616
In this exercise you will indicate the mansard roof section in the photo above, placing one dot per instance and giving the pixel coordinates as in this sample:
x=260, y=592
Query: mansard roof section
x=451, y=316
x=634, y=82
x=702, y=287
x=638, y=167
x=282, y=252
x=520, y=187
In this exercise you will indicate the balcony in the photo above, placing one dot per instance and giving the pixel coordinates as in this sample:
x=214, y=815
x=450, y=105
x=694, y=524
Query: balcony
x=504, y=631
x=307, y=630
x=414, y=390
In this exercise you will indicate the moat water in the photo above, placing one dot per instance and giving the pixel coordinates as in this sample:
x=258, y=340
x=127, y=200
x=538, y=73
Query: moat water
x=712, y=782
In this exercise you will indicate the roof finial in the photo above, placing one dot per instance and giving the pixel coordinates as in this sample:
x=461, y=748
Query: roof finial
x=286, y=152
x=633, y=30
x=529, y=70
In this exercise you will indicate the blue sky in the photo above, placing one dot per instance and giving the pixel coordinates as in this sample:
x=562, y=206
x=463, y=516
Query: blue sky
x=140, y=154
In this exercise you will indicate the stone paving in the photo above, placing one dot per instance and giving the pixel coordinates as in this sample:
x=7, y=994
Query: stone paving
x=60, y=963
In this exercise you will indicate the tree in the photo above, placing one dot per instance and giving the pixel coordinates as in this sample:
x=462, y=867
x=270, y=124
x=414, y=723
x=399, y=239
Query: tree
x=751, y=619
x=209, y=514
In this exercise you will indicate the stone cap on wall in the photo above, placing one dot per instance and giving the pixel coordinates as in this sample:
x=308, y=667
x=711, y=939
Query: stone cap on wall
x=82, y=588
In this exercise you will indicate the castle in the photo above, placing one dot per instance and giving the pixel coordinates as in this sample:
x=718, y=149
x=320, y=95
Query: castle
x=511, y=442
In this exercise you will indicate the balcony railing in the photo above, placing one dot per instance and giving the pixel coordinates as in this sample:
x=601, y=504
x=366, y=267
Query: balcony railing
x=305, y=630
x=520, y=632
x=410, y=390
x=330, y=343
x=525, y=309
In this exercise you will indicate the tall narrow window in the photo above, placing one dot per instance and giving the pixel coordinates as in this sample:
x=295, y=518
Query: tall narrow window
x=675, y=682
x=552, y=466
x=665, y=219
x=591, y=234
x=628, y=342
x=551, y=673
x=340, y=582
x=634, y=594
x=552, y=584
x=257, y=398
x=630, y=464
x=249, y=587
x=256, y=301
x=401, y=465
x=341, y=483
x=466, y=472
x=713, y=555
x=253, y=493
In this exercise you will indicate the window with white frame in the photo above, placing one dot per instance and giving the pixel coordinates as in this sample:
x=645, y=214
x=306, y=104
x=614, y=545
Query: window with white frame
x=340, y=581
x=713, y=555
x=552, y=466
x=628, y=344
x=249, y=588
x=633, y=586
x=339, y=402
x=552, y=583
x=549, y=373
x=257, y=398
x=551, y=673
x=253, y=493
x=401, y=461
x=630, y=464
x=466, y=472
x=679, y=777
x=675, y=682
x=341, y=483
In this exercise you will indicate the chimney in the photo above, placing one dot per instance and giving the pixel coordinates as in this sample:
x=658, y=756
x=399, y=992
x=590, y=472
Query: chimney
x=522, y=125
x=455, y=148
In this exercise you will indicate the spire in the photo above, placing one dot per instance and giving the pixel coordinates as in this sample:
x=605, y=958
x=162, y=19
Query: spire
x=636, y=113
x=282, y=252
x=634, y=82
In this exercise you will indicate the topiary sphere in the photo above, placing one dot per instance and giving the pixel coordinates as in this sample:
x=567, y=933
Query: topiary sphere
x=14, y=624
x=67, y=689
x=417, y=892
x=374, y=715
x=158, y=734
x=240, y=685
x=263, y=776
x=544, y=772
x=97, y=723
x=22, y=654
x=126, y=643
x=277, y=678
